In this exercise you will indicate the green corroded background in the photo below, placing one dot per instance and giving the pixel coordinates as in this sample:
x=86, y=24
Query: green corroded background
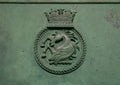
x=99, y=25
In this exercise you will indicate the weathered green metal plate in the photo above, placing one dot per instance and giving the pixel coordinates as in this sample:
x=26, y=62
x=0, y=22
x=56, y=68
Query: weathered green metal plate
x=98, y=24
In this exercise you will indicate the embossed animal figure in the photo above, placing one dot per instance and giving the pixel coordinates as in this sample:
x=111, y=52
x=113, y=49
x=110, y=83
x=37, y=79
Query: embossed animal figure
x=62, y=47
x=63, y=51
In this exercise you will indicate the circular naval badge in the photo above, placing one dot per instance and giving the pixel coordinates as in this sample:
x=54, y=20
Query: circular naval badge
x=59, y=51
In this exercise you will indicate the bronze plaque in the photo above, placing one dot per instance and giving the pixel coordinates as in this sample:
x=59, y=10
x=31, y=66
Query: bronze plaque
x=59, y=43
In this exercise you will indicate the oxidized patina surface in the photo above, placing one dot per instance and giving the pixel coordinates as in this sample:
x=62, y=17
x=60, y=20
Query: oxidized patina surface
x=97, y=23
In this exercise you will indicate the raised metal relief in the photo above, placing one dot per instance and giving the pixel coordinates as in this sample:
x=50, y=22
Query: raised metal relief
x=60, y=48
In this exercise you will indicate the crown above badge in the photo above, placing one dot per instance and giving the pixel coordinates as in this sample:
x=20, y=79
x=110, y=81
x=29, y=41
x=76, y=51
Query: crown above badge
x=60, y=18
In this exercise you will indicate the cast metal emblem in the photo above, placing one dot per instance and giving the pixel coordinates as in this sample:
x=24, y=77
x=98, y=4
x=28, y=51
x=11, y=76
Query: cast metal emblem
x=59, y=48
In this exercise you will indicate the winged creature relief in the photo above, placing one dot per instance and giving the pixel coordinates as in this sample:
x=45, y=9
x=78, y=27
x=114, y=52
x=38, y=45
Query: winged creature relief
x=62, y=45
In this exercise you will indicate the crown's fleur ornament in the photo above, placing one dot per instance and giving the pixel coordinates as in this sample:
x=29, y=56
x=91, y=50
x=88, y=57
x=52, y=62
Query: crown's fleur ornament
x=59, y=49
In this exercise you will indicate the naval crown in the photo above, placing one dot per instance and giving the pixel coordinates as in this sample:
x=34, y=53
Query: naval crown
x=60, y=16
